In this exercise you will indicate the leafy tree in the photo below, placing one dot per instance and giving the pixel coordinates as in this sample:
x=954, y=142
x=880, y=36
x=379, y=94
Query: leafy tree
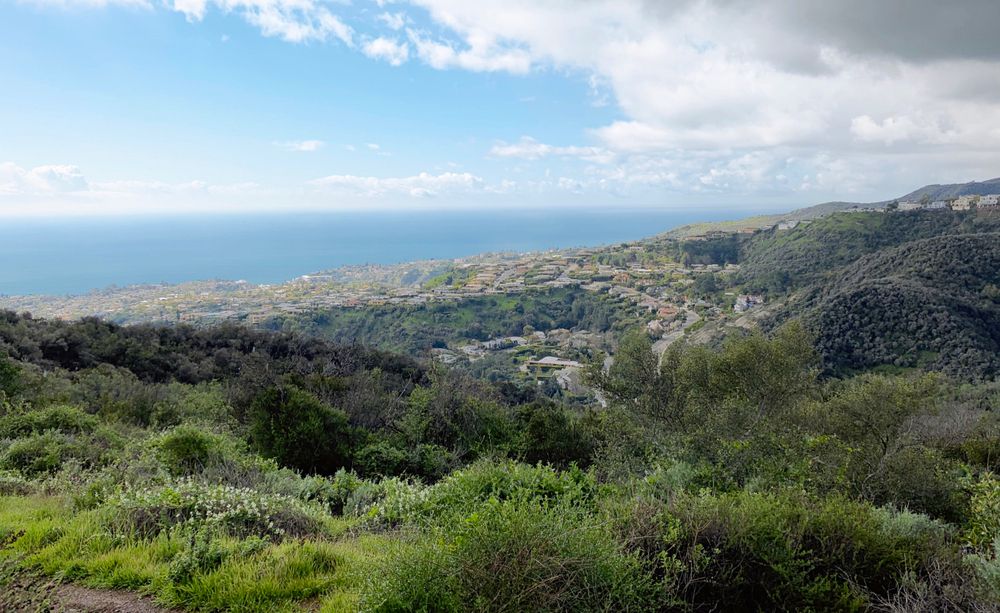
x=298, y=430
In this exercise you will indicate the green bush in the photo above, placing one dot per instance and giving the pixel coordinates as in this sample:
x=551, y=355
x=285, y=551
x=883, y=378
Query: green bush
x=45, y=453
x=984, y=512
x=10, y=378
x=787, y=552
x=298, y=430
x=203, y=403
x=203, y=553
x=514, y=555
x=67, y=419
x=554, y=436
x=186, y=450
x=233, y=511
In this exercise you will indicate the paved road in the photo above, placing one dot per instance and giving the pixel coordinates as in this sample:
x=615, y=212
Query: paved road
x=661, y=345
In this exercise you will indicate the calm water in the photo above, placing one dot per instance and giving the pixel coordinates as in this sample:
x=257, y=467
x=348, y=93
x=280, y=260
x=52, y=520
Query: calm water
x=74, y=256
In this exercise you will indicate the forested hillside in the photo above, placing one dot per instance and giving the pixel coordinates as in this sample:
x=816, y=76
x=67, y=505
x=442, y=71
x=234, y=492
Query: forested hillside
x=809, y=253
x=932, y=303
x=900, y=290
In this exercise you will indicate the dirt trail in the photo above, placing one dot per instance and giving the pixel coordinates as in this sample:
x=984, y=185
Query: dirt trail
x=76, y=599
x=38, y=594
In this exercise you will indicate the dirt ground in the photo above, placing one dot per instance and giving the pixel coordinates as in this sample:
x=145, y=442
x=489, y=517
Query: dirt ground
x=34, y=594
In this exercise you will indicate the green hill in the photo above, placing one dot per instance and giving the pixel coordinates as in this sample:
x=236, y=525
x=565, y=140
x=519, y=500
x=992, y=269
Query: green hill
x=902, y=290
x=933, y=303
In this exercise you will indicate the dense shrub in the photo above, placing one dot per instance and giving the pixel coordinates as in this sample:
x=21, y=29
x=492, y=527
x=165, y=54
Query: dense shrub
x=233, y=511
x=295, y=428
x=984, y=512
x=513, y=555
x=47, y=452
x=787, y=552
x=554, y=436
x=67, y=419
x=187, y=449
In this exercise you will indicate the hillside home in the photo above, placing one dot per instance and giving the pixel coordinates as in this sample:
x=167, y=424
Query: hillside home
x=937, y=205
x=909, y=206
x=745, y=302
x=553, y=362
x=989, y=201
x=963, y=203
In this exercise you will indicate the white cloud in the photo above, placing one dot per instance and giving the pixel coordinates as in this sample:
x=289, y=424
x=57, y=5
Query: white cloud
x=395, y=21
x=373, y=146
x=65, y=4
x=530, y=149
x=301, y=145
x=295, y=21
x=899, y=129
x=422, y=185
x=711, y=96
x=49, y=179
x=481, y=53
x=391, y=51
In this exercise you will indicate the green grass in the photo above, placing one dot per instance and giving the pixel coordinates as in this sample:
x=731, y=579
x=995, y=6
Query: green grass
x=43, y=534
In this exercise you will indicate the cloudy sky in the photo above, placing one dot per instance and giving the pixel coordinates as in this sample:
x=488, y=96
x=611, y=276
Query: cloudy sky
x=117, y=106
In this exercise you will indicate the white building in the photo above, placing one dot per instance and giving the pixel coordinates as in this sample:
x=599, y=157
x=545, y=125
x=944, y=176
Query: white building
x=909, y=206
x=745, y=302
x=937, y=205
x=963, y=203
x=989, y=201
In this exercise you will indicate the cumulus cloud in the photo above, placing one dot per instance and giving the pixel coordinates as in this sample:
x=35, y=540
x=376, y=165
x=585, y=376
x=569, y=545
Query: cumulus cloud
x=307, y=146
x=726, y=96
x=391, y=51
x=809, y=80
x=480, y=52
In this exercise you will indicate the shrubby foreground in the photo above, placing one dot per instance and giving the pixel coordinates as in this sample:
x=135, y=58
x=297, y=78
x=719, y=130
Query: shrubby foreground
x=226, y=469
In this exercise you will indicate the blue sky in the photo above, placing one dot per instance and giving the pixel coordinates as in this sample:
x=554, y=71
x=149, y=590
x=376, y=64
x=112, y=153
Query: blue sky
x=133, y=106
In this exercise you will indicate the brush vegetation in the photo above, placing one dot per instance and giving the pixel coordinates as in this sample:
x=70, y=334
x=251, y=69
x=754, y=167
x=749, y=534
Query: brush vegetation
x=225, y=469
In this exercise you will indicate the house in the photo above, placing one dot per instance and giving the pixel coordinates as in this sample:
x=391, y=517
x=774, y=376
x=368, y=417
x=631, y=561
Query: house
x=665, y=312
x=989, y=201
x=787, y=225
x=909, y=206
x=963, y=203
x=554, y=362
x=745, y=302
x=937, y=205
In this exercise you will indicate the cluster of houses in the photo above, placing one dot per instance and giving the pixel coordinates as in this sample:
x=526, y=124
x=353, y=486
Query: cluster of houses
x=961, y=203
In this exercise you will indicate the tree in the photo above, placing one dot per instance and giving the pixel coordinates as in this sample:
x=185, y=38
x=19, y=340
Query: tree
x=298, y=430
x=10, y=377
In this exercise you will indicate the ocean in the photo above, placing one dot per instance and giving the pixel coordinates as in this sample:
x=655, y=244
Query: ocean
x=71, y=256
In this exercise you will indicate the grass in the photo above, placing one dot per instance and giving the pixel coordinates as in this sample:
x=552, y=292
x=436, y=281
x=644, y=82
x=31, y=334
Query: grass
x=43, y=534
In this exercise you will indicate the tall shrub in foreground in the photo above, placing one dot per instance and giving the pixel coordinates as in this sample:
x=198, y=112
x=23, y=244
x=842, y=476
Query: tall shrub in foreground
x=298, y=430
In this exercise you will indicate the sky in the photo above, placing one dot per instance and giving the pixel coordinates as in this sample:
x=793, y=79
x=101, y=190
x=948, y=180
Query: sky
x=111, y=107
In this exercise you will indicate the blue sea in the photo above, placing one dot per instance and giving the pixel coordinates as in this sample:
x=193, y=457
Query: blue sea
x=71, y=256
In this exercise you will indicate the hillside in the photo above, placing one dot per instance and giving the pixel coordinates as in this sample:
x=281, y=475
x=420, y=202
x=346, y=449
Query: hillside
x=902, y=290
x=780, y=259
x=953, y=190
x=932, y=303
